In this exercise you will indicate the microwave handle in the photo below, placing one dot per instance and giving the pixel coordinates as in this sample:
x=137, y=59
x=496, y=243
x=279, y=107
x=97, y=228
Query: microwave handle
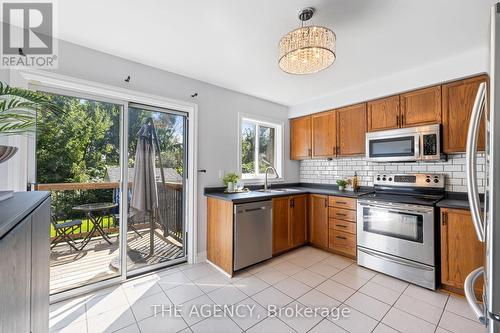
x=418, y=146
x=471, y=163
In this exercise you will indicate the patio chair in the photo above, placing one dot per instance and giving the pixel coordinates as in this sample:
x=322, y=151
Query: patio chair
x=116, y=214
x=64, y=230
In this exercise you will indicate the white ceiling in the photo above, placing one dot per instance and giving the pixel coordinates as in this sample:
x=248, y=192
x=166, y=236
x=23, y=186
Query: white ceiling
x=233, y=43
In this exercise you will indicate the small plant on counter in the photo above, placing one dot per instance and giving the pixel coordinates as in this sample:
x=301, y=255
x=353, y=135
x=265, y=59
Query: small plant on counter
x=341, y=184
x=230, y=180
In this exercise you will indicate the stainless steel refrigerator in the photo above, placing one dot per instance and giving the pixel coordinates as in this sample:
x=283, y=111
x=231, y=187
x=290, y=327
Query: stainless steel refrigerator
x=487, y=220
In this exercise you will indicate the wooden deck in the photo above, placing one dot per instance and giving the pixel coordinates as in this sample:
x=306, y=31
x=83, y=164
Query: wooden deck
x=70, y=269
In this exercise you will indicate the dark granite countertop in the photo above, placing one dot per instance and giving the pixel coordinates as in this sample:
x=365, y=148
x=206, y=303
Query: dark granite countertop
x=458, y=200
x=297, y=188
x=15, y=209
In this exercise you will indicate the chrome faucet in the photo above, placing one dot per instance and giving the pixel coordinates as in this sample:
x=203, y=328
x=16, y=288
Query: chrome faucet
x=267, y=170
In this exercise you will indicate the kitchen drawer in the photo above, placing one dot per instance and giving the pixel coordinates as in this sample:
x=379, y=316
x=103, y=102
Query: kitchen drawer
x=342, y=214
x=342, y=242
x=340, y=225
x=341, y=202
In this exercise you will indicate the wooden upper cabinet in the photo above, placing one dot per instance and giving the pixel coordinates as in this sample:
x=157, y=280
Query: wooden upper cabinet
x=298, y=219
x=281, y=228
x=300, y=138
x=318, y=217
x=421, y=107
x=324, y=134
x=383, y=114
x=351, y=130
x=461, y=252
x=458, y=99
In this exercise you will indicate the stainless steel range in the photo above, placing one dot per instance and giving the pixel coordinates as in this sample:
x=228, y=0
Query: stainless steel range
x=397, y=227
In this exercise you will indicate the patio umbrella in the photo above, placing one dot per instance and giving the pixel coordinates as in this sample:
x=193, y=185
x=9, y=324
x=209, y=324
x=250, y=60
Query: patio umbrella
x=144, y=190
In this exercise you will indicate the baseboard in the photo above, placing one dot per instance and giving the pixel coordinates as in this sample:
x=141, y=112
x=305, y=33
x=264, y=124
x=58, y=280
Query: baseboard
x=219, y=269
x=201, y=257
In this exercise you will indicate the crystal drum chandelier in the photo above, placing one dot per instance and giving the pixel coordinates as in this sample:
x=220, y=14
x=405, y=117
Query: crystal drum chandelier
x=308, y=49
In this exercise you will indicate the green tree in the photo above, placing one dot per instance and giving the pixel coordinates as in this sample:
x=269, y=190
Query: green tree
x=77, y=145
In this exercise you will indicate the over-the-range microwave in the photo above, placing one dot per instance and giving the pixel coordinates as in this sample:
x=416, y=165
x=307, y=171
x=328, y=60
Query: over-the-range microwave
x=411, y=144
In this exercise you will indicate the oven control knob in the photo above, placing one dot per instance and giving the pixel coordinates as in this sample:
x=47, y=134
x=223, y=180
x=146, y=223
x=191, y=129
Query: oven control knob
x=428, y=180
x=390, y=179
x=378, y=178
x=436, y=180
x=384, y=179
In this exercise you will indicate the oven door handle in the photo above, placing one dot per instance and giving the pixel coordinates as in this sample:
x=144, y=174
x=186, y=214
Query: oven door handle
x=398, y=261
x=414, y=209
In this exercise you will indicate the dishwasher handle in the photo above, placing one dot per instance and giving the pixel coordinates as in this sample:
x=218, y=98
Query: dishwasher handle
x=252, y=207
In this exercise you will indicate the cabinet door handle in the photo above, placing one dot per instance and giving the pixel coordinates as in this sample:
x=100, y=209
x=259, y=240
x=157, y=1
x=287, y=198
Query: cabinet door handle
x=397, y=120
x=402, y=119
x=444, y=218
x=341, y=226
x=341, y=202
x=309, y=152
x=292, y=203
x=341, y=237
x=341, y=214
x=326, y=202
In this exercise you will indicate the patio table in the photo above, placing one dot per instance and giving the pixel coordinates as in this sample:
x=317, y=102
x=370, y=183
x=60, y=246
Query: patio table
x=95, y=213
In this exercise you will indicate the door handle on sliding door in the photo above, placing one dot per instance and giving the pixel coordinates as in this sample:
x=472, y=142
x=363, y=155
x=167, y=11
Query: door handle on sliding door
x=471, y=163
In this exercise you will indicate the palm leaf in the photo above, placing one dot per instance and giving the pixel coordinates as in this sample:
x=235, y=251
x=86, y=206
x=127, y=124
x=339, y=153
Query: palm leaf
x=18, y=108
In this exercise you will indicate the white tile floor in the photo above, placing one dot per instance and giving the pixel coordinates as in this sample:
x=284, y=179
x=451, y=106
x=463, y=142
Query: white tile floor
x=306, y=278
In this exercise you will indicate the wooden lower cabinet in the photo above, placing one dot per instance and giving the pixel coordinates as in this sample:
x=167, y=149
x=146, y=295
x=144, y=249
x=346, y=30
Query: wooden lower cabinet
x=342, y=225
x=298, y=220
x=343, y=242
x=318, y=220
x=220, y=233
x=281, y=227
x=332, y=224
x=289, y=222
x=461, y=252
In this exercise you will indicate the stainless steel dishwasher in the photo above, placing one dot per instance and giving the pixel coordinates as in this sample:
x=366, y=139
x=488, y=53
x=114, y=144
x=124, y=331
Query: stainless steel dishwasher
x=253, y=233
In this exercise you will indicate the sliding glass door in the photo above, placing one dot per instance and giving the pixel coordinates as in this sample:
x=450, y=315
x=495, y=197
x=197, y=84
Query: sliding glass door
x=156, y=187
x=117, y=174
x=78, y=157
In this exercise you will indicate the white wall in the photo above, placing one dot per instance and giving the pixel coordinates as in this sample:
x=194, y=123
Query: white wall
x=218, y=110
x=459, y=66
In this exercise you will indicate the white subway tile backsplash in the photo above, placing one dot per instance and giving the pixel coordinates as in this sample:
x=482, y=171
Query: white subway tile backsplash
x=327, y=172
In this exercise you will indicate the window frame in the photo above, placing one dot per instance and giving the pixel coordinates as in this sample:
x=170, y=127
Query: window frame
x=279, y=157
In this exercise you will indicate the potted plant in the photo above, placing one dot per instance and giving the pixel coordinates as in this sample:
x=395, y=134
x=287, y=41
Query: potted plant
x=18, y=108
x=341, y=184
x=230, y=180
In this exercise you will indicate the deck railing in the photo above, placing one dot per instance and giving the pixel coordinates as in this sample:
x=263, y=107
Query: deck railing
x=170, y=200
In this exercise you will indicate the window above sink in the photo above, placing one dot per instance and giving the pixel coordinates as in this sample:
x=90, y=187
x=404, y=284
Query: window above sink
x=260, y=145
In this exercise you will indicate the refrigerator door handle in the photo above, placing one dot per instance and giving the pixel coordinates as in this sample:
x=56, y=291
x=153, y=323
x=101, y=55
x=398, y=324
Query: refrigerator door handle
x=471, y=152
x=471, y=296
